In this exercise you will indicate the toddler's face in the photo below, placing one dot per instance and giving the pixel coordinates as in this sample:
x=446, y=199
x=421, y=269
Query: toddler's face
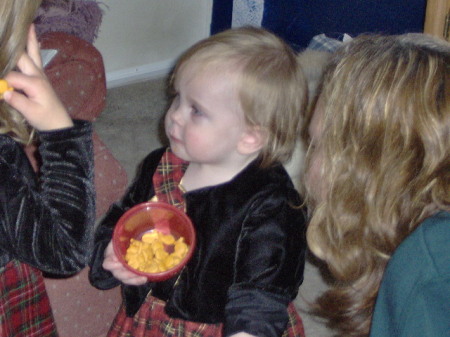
x=205, y=122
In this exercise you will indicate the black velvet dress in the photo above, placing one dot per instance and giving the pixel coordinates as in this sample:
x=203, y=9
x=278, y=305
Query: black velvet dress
x=249, y=258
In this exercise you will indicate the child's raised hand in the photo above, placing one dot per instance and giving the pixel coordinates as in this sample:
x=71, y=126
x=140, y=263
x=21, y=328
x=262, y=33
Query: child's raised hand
x=112, y=263
x=34, y=96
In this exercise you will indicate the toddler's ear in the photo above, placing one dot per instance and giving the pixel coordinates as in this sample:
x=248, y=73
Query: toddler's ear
x=252, y=140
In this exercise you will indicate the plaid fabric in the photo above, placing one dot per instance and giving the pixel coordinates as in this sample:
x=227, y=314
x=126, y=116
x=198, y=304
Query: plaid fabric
x=322, y=42
x=24, y=306
x=152, y=321
x=295, y=325
x=167, y=178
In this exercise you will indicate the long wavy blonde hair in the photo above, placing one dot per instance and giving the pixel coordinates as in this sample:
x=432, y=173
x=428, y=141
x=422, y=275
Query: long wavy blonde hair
x=16, y=17
x=385, y=151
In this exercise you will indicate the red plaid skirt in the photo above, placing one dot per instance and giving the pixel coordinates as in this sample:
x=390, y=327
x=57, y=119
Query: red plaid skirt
x=152, y=321
x=24, y=306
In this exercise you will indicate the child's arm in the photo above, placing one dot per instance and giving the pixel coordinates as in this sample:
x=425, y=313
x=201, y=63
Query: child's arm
x=141, y=190
x=268, y=265
x=49, y=222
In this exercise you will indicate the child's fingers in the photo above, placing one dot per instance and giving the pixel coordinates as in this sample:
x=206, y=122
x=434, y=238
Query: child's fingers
x=35, y=99
x=136, y=281
x=22, y=82
x=33, y=47
x=18, y=101
x=122, y=274
x=109, y=252
x=130, y=278
x=112, y=263
x=27, y=66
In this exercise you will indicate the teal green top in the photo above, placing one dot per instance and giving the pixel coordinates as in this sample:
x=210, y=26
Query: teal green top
x=414, y=296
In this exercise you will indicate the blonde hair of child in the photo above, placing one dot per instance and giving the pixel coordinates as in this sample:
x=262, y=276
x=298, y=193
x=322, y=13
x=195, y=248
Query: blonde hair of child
x=16, y=17
x=271, y=86
x=386, y=163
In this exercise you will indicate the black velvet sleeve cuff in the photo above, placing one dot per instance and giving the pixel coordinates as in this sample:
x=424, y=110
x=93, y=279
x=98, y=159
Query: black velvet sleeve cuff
x=256, y=312
x=81, y=129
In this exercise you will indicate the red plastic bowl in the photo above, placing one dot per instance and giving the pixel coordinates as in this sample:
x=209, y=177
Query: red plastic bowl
x=149, y=216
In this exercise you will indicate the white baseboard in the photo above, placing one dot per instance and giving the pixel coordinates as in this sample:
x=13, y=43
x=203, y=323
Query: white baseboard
x=138, y=74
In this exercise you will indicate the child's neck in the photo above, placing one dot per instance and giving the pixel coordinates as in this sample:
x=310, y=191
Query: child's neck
x=199, y=175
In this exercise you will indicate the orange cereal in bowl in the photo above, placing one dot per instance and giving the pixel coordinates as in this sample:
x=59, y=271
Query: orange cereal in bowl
x=156, y=252
x=154, y=239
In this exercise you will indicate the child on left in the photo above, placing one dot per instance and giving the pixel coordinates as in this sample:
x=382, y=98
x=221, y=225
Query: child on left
x=46, y=221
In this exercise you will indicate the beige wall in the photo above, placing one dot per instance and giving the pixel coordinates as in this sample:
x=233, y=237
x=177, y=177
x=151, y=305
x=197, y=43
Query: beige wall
x=140, y=39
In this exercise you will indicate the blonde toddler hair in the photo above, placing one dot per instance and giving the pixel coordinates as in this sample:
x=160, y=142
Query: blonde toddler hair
x=271, y=86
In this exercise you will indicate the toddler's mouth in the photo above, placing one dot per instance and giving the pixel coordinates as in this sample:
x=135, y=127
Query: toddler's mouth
x=174, y=139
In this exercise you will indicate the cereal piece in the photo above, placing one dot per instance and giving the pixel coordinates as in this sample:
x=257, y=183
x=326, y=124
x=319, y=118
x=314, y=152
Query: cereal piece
x=159, y=251
x=4, y=87
x=180, y=248
x=171, y=261
x=150, y=237
x=167, y=239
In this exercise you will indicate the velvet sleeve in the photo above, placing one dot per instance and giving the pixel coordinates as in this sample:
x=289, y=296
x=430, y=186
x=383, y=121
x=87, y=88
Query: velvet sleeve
x=139, y=191
x=48, y=223
x=269, y=266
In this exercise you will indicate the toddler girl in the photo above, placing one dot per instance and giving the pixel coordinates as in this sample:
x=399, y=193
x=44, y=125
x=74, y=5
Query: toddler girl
x=233, y=119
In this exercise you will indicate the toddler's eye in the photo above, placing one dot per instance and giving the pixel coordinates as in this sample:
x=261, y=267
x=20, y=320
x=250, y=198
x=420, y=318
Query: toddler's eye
x=196, y=112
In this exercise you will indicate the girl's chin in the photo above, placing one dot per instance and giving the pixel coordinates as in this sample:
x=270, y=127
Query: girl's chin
x=176, y=150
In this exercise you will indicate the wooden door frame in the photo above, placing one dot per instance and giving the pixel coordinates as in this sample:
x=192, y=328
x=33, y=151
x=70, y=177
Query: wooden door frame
x=437, y=13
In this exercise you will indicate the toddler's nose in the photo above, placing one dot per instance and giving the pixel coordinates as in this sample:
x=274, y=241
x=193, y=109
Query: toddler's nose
x=173, y=122
x=175, y=115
